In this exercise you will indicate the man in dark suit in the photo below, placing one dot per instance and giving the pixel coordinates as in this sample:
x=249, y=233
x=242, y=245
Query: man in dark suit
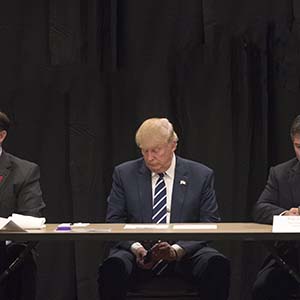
x=20, y=192
x=281, y=196
x=162, y=188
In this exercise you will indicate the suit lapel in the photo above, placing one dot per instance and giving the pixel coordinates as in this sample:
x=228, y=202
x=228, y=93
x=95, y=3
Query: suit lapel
x=180, y=186
x=294, y=181
x=5, y=165
x=145, y=193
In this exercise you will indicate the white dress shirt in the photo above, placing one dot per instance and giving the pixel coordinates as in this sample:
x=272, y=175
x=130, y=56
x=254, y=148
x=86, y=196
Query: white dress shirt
x=169, y=176
x=169, y=179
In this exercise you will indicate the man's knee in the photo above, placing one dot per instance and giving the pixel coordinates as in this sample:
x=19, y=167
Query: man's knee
x=213, y=276
x=112, y=271
x=259, y=291
x=217, y=269
x=213, y=263
x=219, y=263
x=119, y=265
x=113, y=265
x=273, y=283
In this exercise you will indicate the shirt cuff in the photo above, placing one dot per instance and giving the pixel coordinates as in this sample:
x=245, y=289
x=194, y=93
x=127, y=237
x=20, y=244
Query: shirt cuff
x=180, y=252
x=283, y=213
x=135, y=246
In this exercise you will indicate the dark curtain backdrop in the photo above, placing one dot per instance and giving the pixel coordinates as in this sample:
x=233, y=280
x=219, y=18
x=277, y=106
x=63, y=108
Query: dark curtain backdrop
x=79, y=76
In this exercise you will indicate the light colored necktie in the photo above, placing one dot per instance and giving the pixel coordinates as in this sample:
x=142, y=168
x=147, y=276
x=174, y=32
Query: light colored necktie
x=159, y=213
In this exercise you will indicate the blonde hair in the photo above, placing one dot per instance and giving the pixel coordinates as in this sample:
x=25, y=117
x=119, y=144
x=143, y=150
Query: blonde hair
x=155, y=131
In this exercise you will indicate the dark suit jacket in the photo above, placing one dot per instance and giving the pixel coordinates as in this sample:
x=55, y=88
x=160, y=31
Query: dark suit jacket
x=20, y=190
x=130, y=200
x=281, y=193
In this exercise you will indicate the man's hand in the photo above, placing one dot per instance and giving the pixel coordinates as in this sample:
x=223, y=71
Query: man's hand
x=161, y=250
x=140, y=254
x=165, y=251
x=294, y=211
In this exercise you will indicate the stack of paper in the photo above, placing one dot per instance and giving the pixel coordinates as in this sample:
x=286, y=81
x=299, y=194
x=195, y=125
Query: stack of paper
x=27, y=222
x=17, y=222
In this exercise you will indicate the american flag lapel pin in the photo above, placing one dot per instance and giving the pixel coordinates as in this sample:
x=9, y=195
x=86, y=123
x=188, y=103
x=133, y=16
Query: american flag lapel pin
x=182, y=182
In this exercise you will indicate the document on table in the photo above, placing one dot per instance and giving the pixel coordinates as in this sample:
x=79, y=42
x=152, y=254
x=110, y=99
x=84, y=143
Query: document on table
x=27, y=222
x=194, y=226
x=146, y=226
x=8, y=225
x=18, y=223
x=286, y=224
x=175, y=226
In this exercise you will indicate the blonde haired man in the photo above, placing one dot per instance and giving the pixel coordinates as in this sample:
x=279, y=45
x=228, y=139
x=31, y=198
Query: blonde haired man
x=161, y=187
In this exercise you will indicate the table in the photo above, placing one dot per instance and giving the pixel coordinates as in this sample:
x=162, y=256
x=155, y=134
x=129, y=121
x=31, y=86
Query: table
x=110, y=232
x=104, y=231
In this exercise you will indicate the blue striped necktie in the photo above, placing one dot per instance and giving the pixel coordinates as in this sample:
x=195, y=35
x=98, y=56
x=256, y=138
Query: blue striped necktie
x=159, y=213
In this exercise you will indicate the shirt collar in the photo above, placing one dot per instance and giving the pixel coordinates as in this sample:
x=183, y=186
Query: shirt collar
x=0, y=150
x=171, y=171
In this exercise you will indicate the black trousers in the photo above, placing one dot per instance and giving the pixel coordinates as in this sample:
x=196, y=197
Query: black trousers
x=272, y=281
x=20, y=284
x=207, y=268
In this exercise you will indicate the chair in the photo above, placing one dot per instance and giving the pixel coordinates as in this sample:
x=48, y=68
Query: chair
x=295, y=296
x=170, y=287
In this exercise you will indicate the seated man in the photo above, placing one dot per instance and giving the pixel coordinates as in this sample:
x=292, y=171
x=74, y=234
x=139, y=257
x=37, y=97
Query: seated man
x=162, y=188
x=281, y=196
x=20, y=192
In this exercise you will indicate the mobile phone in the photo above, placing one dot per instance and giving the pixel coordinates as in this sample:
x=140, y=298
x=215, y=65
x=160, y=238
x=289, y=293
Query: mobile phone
x=148, y=257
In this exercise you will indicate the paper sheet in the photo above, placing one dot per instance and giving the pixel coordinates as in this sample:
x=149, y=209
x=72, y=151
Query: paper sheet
x=8, y=225
x=286, y=224
x=27, y=222
x=195, y=226
x=146, y=226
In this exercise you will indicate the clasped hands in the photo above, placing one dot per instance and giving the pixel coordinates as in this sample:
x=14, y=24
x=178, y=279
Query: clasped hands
x=294, y=211
x=160, y=251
